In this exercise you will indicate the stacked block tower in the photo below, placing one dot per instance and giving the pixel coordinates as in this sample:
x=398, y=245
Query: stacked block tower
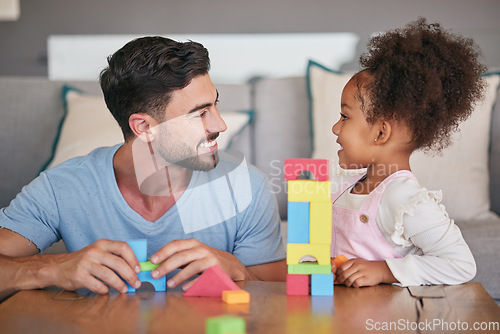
x=309, y=227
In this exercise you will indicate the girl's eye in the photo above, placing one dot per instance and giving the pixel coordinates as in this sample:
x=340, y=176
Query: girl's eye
x=343, y=117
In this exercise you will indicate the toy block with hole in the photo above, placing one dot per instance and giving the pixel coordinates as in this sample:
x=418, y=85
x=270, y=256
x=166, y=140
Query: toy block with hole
x=298, y=222
x=320, y=168
x=235, y=296
x=322, y=285
x=159, y=284
x=225, y=324
x=294, y=252
x=309, y=191
x=297, y=285
x=211, y=283
x=308, y=268
x=320, y=226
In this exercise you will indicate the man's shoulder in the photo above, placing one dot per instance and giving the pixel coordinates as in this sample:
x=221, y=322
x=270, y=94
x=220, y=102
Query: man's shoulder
x=96, y=162
x=96, y=157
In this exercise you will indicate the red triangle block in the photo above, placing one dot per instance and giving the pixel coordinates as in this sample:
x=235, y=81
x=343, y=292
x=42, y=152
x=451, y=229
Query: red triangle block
x=211, y=284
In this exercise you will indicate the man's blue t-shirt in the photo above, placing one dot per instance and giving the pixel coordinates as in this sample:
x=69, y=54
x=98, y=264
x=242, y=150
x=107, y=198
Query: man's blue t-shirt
x=229, y=208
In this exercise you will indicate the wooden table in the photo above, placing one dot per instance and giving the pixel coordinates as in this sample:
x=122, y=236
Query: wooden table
x=364, y=310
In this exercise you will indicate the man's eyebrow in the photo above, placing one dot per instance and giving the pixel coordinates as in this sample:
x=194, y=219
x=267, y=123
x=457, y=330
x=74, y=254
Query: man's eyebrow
x=205, y=105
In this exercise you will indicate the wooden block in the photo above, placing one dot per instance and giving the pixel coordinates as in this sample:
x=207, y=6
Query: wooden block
x=297, y=285
x=211, y=284
x=298, y=222
x=309, y=191
x=320, y=223
x=320, y=168
x=235, y=296
x=322, y=285
x=225, y=324
x=338, y=262
x=140, y=248
x=148, y=266
x=294, y=252
x=308, y=268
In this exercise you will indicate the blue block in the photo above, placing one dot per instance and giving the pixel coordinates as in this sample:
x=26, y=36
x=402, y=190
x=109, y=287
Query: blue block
x=145, y=276
x=298, y=222
x=140, y=248
x=322, y=285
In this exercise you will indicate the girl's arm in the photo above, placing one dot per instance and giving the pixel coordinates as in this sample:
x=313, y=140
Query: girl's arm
x=438, y=252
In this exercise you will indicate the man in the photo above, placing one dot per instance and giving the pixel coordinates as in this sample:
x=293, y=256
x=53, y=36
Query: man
x=166, y=183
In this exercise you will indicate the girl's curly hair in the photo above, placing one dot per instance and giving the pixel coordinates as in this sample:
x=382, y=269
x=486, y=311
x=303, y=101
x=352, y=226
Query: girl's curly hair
x=425, y=77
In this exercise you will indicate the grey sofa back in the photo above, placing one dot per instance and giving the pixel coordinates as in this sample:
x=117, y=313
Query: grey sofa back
x=282, y=129
x=494, y=163
x=32, y=109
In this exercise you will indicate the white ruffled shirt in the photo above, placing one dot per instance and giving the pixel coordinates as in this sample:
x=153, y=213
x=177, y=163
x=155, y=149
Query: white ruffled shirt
x=414, y=222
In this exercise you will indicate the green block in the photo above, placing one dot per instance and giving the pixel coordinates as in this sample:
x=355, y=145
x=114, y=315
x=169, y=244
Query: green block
x=309, y=268
x=225, y=324
x=148, y=266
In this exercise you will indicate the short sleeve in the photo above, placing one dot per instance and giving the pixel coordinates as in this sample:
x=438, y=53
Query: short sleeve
x=33, y=213
x=259, y=240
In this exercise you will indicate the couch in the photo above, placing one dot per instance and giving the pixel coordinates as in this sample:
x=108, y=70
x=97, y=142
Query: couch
x=283, y=122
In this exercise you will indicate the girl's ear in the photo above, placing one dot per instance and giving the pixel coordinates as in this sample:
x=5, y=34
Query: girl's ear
x=384, y=130
x=141, y=125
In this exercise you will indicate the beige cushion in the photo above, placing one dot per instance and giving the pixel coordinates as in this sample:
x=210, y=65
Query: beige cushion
x=461, y=172
x=88, y=124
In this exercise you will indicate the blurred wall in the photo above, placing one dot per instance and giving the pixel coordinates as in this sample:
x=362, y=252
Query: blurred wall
x=23, y=42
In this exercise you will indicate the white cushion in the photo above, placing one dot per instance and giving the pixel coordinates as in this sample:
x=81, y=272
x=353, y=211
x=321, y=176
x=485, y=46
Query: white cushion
x=462, y=170
x=88, y=124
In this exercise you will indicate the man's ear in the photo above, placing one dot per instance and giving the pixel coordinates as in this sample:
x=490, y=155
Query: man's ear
x=141, y=125
x=384, y=131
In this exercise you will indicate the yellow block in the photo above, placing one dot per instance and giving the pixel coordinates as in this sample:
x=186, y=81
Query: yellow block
x=236, y=296
x=320, y=223
x=309, y=191
x=294, y=252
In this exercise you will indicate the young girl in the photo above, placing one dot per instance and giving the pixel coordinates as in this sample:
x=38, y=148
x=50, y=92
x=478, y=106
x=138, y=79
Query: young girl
x=416, y=86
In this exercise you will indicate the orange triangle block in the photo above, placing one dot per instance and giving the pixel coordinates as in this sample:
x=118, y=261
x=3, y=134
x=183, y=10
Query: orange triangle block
x=211, y=284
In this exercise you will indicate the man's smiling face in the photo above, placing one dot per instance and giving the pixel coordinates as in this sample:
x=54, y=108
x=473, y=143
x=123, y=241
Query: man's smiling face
x=188, y=135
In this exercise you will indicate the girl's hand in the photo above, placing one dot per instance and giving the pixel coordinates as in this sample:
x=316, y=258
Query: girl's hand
x=359, y=272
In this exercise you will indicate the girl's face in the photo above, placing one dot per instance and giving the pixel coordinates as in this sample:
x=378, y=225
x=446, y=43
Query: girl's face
x=355, y=135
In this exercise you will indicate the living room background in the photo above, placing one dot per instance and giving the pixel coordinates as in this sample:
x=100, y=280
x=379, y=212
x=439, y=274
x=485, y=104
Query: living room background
x=24, y=42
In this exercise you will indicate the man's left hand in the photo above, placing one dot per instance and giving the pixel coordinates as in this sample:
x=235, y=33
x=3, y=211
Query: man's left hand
x=195, y=257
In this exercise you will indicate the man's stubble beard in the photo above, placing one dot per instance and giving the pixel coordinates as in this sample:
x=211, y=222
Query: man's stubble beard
x=187, y=158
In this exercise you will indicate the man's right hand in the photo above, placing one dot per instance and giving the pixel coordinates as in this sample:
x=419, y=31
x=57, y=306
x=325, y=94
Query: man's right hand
x=95, y=267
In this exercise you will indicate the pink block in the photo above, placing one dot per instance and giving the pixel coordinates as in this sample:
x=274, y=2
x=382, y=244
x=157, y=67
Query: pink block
x=319, y=167
x=211, y=284
x=297, y=285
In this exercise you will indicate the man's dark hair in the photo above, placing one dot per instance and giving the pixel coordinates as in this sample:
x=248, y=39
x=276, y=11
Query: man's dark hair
x=141, y=76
